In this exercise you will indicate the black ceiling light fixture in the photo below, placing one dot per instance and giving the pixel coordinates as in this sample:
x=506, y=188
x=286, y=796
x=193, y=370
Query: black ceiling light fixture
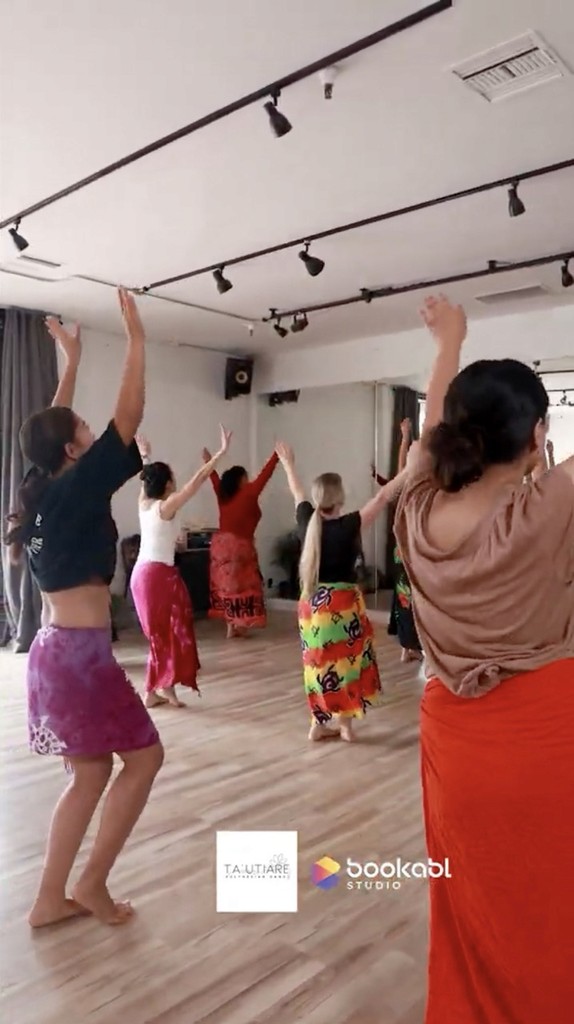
x=18, y=239
x=515, y=205
x=281, y=331
x=300, y=322
x=279, y=123
x=313, y=265
x=567, y=279
x=223, y=285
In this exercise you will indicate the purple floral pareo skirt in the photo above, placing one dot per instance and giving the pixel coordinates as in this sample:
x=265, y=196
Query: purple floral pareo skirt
x=80, y=701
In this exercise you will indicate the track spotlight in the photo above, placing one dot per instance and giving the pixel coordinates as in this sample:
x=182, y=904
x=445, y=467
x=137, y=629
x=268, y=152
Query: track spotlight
x=281, y=331
x=567, y=279
x=18, y=239
x=515, y=205
x=279, y=123
x=313, y=265
x=223, y=285
x=300, y=322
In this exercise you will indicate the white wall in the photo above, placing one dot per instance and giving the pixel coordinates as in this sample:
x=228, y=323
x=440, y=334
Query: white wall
x=331, y=429
x=546, y=335
x=184, y=406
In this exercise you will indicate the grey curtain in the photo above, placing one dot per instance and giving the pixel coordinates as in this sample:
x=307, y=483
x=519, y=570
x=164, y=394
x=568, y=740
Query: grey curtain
x=406, y=406
x=28, y=382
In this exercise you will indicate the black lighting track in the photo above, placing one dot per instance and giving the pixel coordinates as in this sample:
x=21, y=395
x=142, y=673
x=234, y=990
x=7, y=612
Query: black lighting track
x=377, y=218
x=266, y=92
x=368, y=294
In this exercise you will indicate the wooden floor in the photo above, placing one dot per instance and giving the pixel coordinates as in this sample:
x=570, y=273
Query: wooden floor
x=237, y=759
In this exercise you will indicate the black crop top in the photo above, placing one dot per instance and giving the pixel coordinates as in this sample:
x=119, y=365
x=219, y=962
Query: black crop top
x=74, y=538
x=340, y=544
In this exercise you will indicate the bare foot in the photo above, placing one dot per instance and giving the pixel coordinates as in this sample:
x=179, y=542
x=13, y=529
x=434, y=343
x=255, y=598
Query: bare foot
x=321, y=732
x=153, y=700
x=411, y=655
x=348, y=733
x=96, y=900
x=46, y=912
x=171, y=698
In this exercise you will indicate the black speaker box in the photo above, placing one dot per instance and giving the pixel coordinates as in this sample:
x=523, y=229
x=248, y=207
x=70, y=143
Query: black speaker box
x=238, y=377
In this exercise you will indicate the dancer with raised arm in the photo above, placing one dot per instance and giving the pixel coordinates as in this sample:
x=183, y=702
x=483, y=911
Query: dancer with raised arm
x=160, y=596
x=489, y=557
x=401, y=621
x=81, y=705
x=340, y=669
x=236, y=582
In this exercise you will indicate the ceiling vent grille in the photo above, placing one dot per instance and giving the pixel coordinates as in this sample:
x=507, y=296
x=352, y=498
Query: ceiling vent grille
x=529, y=292
x=511, y=68
x=36, y=269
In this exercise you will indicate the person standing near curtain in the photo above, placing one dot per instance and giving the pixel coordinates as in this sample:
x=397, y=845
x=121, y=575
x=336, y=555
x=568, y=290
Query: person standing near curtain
x=401, y=622
x=160, y=595
x=235, y=578
x=81, y=704
x=491, y=561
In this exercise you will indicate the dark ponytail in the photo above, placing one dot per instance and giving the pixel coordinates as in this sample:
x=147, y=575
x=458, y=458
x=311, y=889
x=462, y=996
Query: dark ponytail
x=43, y=440
x=19, y=524
x=491, y=412
x=155, y=478
x=458, y=456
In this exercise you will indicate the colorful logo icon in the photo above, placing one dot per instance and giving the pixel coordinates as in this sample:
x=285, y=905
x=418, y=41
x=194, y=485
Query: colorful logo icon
x=325, y=873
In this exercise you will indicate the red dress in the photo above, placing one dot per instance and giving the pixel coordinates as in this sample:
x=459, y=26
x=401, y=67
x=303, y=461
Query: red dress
x=236, y=583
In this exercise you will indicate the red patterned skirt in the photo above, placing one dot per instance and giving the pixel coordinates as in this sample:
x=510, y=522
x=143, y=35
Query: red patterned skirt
x=164, y=609
x=235, y=582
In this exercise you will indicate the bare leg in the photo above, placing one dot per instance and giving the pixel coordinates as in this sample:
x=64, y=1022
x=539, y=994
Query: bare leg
x=122, y=808
x=169, y=696
x=322, y=732
x=348, y=730
x=153, y=699
x=72, y=815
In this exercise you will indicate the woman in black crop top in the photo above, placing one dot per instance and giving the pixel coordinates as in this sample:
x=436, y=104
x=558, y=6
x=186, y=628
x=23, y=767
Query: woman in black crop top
x=80, y=703
x=340, y=670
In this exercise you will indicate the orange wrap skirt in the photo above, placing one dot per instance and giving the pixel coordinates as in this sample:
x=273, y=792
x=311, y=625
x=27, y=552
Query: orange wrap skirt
x=498, y=790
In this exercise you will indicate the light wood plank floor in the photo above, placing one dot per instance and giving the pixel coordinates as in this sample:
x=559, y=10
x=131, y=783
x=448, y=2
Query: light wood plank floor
x=237, y=759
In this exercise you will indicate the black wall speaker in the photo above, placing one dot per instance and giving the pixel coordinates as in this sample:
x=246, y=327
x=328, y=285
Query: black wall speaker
x=283, y=398
x=238, y=377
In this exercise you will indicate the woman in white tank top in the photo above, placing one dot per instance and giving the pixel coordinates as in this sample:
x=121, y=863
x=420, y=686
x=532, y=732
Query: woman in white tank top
x=160, y=596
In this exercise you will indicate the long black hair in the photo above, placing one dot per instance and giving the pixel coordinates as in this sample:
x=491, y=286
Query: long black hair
x=155, y=477
x=491, y=411
x=231, y=482
x=43, y=439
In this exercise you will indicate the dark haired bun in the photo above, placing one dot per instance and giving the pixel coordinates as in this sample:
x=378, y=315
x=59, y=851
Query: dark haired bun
x=155, y=477
x=458, y=456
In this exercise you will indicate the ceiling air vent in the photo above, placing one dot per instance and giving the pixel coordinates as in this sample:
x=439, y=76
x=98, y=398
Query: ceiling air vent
x=533, y=291
x=37, y=269
x=511, y=68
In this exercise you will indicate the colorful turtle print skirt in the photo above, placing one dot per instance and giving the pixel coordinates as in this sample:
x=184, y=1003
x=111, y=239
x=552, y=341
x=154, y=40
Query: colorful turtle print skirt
x=340, y=669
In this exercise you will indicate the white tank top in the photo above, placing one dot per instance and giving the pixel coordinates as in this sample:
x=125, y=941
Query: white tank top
x=158, y=536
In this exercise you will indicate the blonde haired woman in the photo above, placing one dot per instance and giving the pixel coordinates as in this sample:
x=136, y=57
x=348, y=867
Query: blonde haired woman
x=341, y=675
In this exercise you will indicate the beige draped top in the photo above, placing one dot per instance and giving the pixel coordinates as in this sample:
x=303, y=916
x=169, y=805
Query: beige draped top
x=501, y=601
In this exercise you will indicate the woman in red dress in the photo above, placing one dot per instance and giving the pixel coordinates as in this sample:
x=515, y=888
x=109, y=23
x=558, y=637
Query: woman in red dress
x=236, y=583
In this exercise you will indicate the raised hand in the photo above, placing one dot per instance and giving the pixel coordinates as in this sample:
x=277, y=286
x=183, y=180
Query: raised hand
x=284, y=453
x=69, y=343
x=130, y=315
x=144, y=446
x=206, y=455
x=406, y=430
x=446, y=322
x=226, y=436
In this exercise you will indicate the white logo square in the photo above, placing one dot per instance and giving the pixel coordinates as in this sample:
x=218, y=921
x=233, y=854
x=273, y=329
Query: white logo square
x=256, y=872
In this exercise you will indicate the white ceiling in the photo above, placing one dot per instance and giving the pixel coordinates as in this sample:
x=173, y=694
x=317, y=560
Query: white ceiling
x=84, y=84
